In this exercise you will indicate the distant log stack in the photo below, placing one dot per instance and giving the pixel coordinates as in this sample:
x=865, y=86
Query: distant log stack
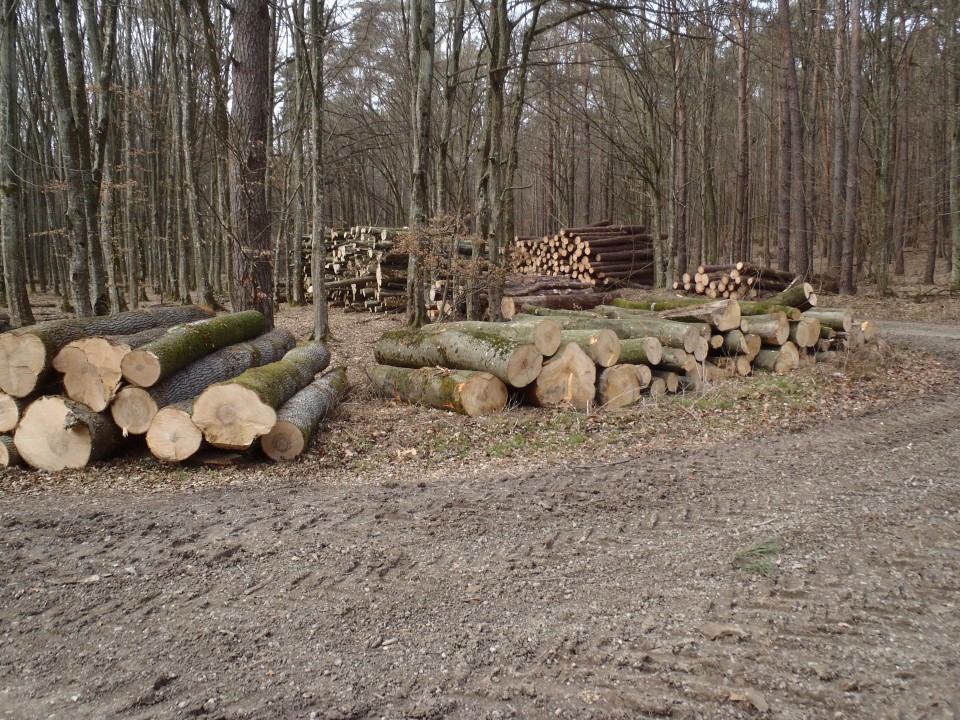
x=44, y=429
x=743, y=281
x=599, y=255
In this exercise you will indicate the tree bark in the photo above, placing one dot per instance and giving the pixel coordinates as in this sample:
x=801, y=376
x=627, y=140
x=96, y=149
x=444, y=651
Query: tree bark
x=467, y=392
x=847, y=276
x=299, y=417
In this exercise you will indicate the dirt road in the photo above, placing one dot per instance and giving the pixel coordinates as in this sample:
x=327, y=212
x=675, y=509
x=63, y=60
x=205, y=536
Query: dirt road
x=571, y=592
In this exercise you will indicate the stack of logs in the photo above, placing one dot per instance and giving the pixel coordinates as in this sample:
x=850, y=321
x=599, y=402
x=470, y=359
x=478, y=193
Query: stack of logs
x=605, y=254
x=71, y=390
x=740, y=280
x=610, y=356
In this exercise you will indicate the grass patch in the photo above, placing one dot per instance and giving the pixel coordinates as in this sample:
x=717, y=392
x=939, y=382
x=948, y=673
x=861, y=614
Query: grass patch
x=759, y=557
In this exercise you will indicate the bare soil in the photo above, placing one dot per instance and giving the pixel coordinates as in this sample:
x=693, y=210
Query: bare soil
x=410, y=566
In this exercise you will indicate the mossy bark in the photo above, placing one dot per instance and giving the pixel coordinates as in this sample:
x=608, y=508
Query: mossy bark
x=765, y=307
x=184, y=344
x=467, y=392
x=26, y=355
x=800, y=296
x=515, y=363
x=668, y=332
x=299, y=417
x=544, y=334
x=637, y=351
x=839, y=320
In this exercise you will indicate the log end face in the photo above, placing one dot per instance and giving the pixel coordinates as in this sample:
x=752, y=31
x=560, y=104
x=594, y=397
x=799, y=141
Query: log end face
x=284, y=442
x=483, y=394
x=23, y=358
x=524, y=366
x=133, y=410
x=232, y=417
x=49, y=439
x=172, y=436
x=547, y=337
x=606, y=351
x=141, y=368
x=9, y=413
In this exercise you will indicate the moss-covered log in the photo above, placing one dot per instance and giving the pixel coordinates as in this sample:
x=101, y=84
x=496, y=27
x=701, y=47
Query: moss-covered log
x=467, y=392
x=26, y=355
x=800, y=296
x=134, y=407
x=736, y=342
x=91, y=366
x=172, y=435
x=601, y=346
x=298, y=417
x=617, y=387
x=668, y=332
x=515, y=363
x=765, y=307
x=9, y=457
x=641, y=351
x=568, y=377
x=774, y=328
x=839, y=320
x=779, y=360
x=544, y=334
x=58, y=433
x=184, y=344
x=233, y=414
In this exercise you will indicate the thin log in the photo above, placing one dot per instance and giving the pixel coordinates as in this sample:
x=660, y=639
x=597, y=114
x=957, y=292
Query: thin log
x=641, y=351
x=839, y=320
x=299, y=417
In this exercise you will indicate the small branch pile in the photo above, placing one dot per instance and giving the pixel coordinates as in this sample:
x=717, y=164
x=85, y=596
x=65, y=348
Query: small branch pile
x=193, y=378
x=741, y=280
x=607, y=357
x=604, y=254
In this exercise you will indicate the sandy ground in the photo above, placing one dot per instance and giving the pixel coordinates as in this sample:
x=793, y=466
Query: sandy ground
x=594, y=590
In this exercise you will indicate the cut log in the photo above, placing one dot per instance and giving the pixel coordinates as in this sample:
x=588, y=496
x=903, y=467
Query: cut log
x=710, y=373
x=58, y=433
x=869, y=330
x=172, y=435
x=601, y=346
x=839, y=320
x=298, y=418
x=644, y=374
x=9, y=457
x=468, y=392
x=641, y=351
x=234, y=413
x=568, y=377
x=91, y=366
x=134, y=407
x=11, y=410
x=183, y=344
x=701, y=350
x=723, y=315
x=510, y=306
x=737, y=364
x=515, y=363
x=677, y=360
x=658, y=388
x=669, y=332
x=544, y=334
x=805, y=332
x=758, y=307
x=617, y=387
x=671, y=381
x=800, y=296
x=26, y=355
x=779, y=360
x=773, y=328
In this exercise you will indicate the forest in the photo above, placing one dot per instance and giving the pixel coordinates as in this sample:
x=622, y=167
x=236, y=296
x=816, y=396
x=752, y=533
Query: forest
x=191, y=149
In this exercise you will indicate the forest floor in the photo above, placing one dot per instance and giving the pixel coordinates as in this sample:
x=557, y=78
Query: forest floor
x=531, y=564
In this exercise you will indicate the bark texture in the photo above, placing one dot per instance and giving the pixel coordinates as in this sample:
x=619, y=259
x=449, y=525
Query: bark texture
x=467, y=392
x=299, y=417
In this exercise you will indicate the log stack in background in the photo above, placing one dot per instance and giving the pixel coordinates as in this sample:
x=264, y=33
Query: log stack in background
x=742, y=280
x=608, y=356
x=54, y=422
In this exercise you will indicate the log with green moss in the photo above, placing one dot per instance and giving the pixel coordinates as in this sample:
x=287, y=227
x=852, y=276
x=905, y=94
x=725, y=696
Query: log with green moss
x=515, y=363
x=57, y=433
x=134, y=407
x=184, y=344
x=510, y=306
x=839, y=320
x=9, y=457
x=677, y=360
x=800, y=296
x=467, y=392
x=26, y=355
x=641, y=351
x=233, y=414
x=543, y=333
x=763, y=307
x=668, y=332
x=299, y=417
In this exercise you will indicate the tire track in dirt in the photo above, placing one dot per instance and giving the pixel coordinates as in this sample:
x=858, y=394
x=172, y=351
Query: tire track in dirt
x=571, y=592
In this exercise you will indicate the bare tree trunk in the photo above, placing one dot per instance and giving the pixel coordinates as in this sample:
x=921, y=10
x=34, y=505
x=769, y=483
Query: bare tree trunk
x=953, y=73
x=14, y=277
x=785, y=180
x=838, y=168
x=252, y=287
x=847, y=275
x=741, y=218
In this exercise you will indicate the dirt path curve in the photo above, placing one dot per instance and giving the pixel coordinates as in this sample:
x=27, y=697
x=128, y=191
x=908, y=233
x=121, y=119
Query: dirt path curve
x=578, y=592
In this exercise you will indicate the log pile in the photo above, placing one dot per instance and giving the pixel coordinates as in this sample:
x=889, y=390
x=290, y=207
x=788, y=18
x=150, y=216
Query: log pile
x=604, y=255
x=73, y=389
x=742, y=280
x=608, y=356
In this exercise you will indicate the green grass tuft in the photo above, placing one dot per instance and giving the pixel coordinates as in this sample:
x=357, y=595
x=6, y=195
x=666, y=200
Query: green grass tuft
x=759, y=557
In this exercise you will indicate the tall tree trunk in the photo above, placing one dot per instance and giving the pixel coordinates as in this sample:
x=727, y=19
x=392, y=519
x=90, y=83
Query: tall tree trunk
x=14, y=277
x=785, y=220
x=953, y=73
x=252, y=287
x=847, y=275
x=740, y=246
x=838, y=166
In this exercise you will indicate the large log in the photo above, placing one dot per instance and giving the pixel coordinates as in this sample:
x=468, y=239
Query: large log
x=568, y=377
x=468, y=392
x=184, y=344
x=671, y=381
x=134, y=407
x=669, y=332
x=234, y=413
x=544, y=334
x=515, y=363
x=510, y=306
x=779, y=360
x=617, y=387
x=677, y=360
x=298, y=418
x=773, y=327
x=805, y=332
x=58, y=433
x=762, y=307
x=26, y=355
x=722, y=315
x=800, y=296
x=839, y=320
x=601, y=346
x=9, y=457
x=172, y=435
x=91, y=366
